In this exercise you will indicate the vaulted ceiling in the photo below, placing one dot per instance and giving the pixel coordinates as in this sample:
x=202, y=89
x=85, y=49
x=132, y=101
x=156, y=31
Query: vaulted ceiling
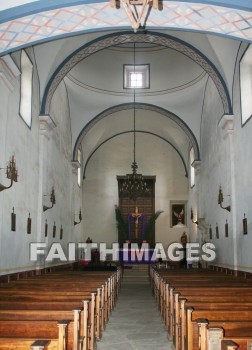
x=183, y=44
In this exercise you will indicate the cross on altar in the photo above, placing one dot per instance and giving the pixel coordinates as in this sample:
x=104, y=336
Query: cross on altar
x=136, y=215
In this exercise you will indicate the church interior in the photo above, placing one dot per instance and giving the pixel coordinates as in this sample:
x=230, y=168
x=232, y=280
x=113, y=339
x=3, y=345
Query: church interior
x=126, y=122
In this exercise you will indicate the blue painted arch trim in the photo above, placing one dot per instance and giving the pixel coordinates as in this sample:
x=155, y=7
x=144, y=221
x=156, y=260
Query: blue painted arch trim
x=113, y=39
x=131, y=131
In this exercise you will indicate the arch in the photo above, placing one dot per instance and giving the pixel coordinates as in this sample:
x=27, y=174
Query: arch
x=131, y=131
x=127, y=37
x=144, y=106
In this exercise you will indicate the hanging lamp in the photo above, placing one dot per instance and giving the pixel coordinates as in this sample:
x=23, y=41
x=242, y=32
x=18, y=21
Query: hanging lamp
x=134, y=185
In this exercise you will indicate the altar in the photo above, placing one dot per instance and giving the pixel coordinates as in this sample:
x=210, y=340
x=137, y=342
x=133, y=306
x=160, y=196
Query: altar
x=134, y=256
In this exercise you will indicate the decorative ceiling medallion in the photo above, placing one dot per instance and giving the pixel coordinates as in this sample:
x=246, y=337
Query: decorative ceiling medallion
x=136, y=10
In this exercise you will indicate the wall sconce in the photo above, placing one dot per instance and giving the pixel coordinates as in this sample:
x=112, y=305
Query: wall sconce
x=11, y=174
x=52, y=199
x=80, y=218
x=192, y=216
x=13, y=221
x=220, y=200
x=245, y=225
x=29, y=221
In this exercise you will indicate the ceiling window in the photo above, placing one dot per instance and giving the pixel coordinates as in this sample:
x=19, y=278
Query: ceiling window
x=136, y=77
x=246, y=85
x=25, y=109
x=136, y=80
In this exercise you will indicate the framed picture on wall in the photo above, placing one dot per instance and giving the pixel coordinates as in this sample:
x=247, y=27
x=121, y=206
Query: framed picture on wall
x=178, y=213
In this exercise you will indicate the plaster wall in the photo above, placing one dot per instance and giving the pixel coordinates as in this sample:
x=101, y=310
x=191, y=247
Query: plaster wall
x=226, y=161
x=215, y=171
x=100, y=191
x=59, y=173
x=22, y=142
x=243, y=163
x=43, y=159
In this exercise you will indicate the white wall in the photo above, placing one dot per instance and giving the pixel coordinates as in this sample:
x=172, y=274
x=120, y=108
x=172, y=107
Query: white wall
x=100, y=191
x=18, y=139
x=226, y=161
x=243, y=166
x=43, y=160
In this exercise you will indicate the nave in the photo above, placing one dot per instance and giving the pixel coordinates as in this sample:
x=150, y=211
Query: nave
x=135, y=323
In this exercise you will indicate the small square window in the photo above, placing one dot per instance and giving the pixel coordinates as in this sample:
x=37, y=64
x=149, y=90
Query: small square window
x=136, y=80
x=136, y=77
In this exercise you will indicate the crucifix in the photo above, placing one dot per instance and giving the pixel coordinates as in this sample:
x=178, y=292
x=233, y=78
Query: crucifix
x=136, y=215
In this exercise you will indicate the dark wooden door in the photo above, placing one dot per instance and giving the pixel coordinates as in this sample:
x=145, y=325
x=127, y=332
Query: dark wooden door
x=145, y=205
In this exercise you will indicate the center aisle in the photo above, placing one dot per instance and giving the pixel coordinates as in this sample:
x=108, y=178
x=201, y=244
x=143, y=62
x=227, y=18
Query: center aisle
x=135, y=323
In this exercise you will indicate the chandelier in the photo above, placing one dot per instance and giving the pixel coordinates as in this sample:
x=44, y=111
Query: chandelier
x=136, y=10
x=134, y=185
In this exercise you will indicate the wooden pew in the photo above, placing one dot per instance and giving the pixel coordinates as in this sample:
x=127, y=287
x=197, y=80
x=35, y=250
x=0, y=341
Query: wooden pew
x=57, y=332
x=48, y=315
x=97, y=309
x=172, y=292
x=27, y=344
x=231, y=331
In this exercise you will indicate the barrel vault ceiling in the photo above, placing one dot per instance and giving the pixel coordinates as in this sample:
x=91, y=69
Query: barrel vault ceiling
x=100, y=109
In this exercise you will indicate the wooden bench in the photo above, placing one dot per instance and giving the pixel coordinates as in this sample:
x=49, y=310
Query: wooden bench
x=43, y=296
x=57, y=332
x=235, y=323
x=174, y=291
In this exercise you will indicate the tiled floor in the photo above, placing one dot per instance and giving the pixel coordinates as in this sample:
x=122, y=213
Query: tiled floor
x=135, y=323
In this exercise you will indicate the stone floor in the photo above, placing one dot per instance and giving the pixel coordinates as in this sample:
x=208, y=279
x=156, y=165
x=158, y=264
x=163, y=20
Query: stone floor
x=135, y=323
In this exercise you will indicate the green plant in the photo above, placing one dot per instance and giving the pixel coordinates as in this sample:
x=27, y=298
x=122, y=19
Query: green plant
x=122, y=226
x=150, y=226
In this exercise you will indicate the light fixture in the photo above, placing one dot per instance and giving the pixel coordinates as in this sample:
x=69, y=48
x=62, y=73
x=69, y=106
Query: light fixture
x=220, y=200
x=52, y=199
x=11, y=174
x=192, y=218
x=134, y=185
x=80, y=218
x=136, y=10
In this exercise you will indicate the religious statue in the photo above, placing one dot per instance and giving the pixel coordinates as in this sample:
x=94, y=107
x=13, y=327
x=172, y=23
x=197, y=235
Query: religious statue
x=183, y=239
x=136, y=216
x=89, y=240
